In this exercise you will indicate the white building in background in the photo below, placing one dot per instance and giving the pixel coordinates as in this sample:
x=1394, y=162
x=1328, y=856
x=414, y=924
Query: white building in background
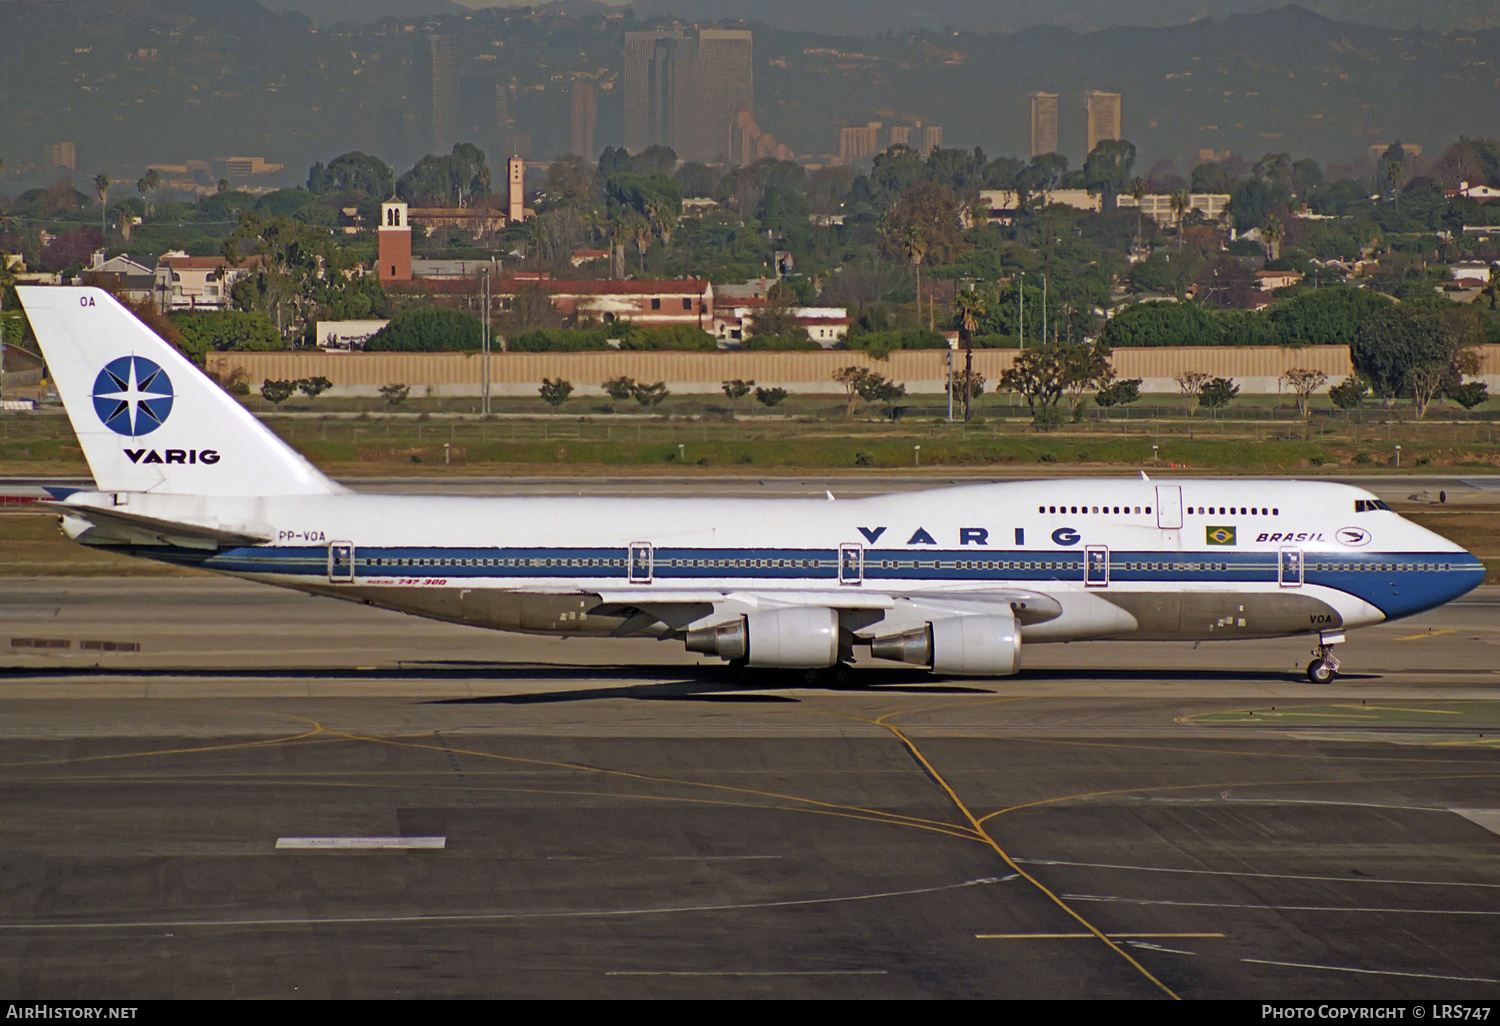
x=196, y=283
x=1158, y=205
x=346, y=336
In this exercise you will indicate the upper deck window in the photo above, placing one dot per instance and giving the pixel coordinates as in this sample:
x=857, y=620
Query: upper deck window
x=1369, y=505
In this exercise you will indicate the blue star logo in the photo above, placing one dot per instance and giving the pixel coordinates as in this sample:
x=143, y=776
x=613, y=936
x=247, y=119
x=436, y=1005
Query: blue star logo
x=132, y=396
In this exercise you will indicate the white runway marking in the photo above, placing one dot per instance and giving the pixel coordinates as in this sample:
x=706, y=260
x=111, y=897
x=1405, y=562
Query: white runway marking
x=1371, y=972
x=1280, y=908
x=1262, y=876
x=734, y=972
x=1487, y=818
x=478, y=917
x=359, y=843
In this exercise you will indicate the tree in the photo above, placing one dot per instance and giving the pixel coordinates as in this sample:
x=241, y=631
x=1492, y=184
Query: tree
x=737, y=389
x=851, y=378
x=1040, y=376
x=203, y=332
x=1138, y=190
x=649, y=395
x=1181, y=204
x=619, y=389
x=1106, y=170
x=1217, y=392
x=1191, y=383
x=1303, y=382
x=428, y=330
x=276, y=392
x=1394, y=342
x=1273, y=231
x=147, y=185
x=1469, y=394
x=967, y=384
x=874, y=388
x=101, y=189
x=769, y=397
x=1348, y=394
x=352, y=172
x=1121, y=392
x=556, y=392
x=913, y=244
x=395, y=394
x=933, y=208
x=1084, y=368
x=969, y=305
x=314, y=387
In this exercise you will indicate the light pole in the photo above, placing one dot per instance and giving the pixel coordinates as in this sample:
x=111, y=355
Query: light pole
x=950, y=384
x=1021, y=306
x=1398, y=456
x=484, y=335
x=916, y=455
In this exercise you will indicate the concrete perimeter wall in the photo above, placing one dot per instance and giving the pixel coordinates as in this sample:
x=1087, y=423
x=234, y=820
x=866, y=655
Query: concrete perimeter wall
x=1256, y=370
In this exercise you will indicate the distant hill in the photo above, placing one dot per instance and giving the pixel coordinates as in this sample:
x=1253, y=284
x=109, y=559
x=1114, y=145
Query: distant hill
x=866, y=17
x=329, y=12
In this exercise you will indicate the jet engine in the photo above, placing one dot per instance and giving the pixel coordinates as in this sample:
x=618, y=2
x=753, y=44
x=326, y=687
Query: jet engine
x=802, y=638
x=976, y=646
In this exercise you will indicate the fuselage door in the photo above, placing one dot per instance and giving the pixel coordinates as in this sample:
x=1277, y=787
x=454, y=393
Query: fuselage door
x=341, y=562
x=1096, y=566
x=1169, y=507
x=641, y=562
x=1290, y=573
x=851, y=563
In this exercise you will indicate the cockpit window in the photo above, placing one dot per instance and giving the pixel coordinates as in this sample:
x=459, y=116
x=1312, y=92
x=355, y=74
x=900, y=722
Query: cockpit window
x=1369, y=505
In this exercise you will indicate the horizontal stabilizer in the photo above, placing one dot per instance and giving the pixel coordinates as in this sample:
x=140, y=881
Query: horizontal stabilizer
x=132, y=528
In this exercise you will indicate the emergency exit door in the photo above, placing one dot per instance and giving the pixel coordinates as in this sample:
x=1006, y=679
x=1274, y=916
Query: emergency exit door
x=341, y=562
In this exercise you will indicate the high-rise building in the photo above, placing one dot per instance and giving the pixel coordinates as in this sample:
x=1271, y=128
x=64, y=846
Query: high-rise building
x=724, y=73
x=515, y=189
x=1104, y=114
x=858, y=142
x=1043, y=123
x=444, y=59
x=63, y=155
x=901, y=135
x=686, y=88
x=932, y=138
x=585, y=117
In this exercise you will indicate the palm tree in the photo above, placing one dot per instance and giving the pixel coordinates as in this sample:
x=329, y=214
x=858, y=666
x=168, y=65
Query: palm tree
x=617, y=234
x=639, y=231
x=1137, y=189
x=147, y=185
x=915, y=246
x=1273, y=232
x=101, y=189
x=970, y=306
x=1181, y=204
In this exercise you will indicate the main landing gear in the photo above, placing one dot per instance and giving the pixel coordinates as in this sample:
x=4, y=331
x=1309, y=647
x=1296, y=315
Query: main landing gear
x=1325, y=665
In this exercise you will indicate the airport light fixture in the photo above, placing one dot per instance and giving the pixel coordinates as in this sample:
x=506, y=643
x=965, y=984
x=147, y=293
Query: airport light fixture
x=916, y=455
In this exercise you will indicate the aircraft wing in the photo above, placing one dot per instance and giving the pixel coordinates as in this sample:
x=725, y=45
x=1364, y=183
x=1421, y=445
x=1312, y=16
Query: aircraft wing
x=133, y=528
x=678, y=609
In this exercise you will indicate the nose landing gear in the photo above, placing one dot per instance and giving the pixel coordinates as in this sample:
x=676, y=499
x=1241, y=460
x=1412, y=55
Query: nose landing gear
x=1325, y=665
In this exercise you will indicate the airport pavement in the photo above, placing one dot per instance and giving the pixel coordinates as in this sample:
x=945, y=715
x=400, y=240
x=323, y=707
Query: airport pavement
x=622, y=819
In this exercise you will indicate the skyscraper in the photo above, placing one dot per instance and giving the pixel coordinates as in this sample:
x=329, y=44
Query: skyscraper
x=1104, y=113
x=724, y=69
x=585, y=116
x=685, y=89
x=444, y=58
x=1043, y=123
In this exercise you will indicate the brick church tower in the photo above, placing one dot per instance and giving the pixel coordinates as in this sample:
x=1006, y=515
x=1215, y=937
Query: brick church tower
x=395, y=242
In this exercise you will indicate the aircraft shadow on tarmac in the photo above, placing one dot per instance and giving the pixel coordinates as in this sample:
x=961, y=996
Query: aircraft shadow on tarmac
x=661, y=683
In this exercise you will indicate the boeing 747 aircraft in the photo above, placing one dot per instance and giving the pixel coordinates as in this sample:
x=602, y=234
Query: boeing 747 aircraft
x=953, y=579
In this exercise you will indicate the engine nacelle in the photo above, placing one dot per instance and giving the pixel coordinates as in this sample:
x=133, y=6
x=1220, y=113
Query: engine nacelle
x=803, y=638
x=975, y=646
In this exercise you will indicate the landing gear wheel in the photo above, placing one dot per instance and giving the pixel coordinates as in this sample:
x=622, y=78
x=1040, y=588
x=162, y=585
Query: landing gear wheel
x=1320, y=672
x=842, y=676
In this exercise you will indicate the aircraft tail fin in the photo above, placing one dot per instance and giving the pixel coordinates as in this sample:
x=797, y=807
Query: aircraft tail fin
x=147, y=418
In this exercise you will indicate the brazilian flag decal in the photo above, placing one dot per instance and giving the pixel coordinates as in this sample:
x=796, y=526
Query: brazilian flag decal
x=1220, y=535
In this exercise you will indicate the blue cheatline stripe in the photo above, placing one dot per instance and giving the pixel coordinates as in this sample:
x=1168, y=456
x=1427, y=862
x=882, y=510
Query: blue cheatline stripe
x=1396, y=583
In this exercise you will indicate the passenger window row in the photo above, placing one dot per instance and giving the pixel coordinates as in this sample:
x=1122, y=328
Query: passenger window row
x=1080, y=510
x=1230, y=511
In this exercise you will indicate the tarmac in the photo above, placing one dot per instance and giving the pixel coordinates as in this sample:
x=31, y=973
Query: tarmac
x=215, y=789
